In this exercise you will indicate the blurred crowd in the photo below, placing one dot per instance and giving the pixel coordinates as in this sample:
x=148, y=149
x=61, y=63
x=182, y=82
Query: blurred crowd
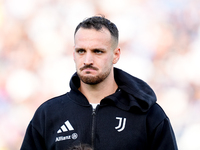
x=159, y=40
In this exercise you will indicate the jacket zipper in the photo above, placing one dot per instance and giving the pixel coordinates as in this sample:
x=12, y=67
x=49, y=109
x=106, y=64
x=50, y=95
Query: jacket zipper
x=93, y=126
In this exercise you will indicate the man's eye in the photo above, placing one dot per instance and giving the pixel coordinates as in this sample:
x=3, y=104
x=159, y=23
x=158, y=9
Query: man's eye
x=98, y=51
x=80, y=51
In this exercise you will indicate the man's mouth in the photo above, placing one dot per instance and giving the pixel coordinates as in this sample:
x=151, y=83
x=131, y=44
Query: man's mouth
x=88, y=68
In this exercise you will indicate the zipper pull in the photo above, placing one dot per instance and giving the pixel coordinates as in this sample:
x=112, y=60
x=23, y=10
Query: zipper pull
x=93, y=112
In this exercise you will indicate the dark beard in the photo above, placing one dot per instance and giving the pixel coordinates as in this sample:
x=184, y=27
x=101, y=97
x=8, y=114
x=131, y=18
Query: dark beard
x=92, y=80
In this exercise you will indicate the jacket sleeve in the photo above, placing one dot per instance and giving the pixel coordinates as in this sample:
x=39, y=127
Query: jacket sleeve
x=163, y=137
x=33, y=139
x=160, y=133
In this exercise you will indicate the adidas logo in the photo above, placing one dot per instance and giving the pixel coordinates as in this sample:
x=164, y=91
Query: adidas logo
x=65, y=127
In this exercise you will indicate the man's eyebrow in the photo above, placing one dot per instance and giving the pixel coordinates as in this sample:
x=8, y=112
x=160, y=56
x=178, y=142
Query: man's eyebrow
x=101, y=49
x=78, y=48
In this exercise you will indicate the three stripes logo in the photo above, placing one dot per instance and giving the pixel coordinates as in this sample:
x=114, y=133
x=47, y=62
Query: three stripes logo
x=65, y=127
x=122, y=123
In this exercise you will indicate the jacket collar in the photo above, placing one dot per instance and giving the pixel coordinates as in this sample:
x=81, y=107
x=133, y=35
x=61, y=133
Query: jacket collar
x=133, y=94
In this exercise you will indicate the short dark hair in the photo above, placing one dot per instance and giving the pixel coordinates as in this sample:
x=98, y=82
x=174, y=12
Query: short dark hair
x=97, y=22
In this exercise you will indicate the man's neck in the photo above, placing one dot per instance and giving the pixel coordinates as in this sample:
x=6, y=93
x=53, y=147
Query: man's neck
x=95, y=93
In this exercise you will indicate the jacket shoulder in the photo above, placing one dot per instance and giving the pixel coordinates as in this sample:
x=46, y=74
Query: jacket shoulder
x=156, y=110
x=155, y=115
x=53, y=102
x=46, y=111
x=50, y=106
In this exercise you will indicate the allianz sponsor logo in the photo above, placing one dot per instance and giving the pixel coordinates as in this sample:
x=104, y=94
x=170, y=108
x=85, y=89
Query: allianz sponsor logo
x=68, y=137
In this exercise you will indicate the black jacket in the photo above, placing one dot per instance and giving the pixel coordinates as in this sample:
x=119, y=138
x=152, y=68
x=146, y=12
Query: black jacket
x=129, y=119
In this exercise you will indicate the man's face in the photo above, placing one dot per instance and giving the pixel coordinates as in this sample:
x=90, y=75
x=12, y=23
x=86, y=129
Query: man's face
x=94, y=55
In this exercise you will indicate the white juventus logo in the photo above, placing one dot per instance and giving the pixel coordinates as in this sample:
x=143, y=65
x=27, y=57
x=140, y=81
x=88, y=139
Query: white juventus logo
x=121, y=125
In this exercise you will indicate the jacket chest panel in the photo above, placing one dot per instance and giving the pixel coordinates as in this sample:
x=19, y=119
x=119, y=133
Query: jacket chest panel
x=98, y=128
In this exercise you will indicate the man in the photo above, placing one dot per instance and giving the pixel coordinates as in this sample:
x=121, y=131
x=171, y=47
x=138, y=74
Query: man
x=106, y=108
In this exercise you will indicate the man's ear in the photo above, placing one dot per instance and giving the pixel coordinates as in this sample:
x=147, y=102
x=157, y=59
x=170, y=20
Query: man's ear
x=117, y=53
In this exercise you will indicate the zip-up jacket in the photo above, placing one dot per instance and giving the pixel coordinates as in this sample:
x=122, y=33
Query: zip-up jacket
x=129, y=119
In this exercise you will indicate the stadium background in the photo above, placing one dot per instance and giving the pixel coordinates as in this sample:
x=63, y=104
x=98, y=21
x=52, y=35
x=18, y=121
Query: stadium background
x=159, y=40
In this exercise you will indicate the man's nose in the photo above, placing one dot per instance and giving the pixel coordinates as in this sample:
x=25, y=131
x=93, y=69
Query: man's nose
x=88, y=59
